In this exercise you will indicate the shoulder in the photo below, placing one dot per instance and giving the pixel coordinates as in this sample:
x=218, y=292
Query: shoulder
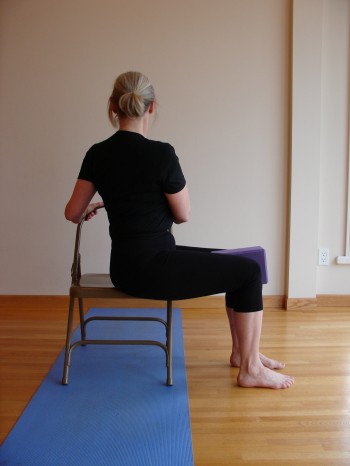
x=162, y=151
x=102, y=145
x=160, y=145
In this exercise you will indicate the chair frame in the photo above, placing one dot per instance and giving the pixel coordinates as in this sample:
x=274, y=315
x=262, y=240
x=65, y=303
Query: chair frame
x=81, y=288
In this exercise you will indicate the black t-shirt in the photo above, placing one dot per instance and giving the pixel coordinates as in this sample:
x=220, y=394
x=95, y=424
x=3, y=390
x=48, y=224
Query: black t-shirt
x=131, y=174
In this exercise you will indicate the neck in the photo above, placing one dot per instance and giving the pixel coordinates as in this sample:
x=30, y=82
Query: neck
x=136, y=125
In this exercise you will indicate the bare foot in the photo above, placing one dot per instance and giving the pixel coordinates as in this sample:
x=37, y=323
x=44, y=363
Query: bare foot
x=271, y=363
x=235, y=361
x=263, y=377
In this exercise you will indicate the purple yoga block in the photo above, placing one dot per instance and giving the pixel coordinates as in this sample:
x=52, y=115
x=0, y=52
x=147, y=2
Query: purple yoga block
x=256, y=253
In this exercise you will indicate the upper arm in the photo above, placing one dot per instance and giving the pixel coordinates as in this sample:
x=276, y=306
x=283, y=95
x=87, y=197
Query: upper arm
x=179, y=204
x=173, y=185
x=82, y=194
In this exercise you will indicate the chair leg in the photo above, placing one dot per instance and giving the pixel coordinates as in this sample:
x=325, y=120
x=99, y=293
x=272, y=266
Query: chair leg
x=82, y=319
x=169, y=343
x=68, y=342
x=83, y=336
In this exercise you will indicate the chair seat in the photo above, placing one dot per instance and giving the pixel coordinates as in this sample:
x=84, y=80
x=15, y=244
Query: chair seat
x=96, y=280
x=96, y=285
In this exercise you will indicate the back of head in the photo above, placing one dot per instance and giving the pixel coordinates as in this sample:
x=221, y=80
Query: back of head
x=132, y=95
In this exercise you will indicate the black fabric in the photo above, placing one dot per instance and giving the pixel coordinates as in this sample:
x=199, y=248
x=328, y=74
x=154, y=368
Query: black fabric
x=132, y=173
x=157, y=268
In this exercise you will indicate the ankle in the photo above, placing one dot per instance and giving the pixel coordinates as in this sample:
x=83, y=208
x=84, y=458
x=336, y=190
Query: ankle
x=251, y=365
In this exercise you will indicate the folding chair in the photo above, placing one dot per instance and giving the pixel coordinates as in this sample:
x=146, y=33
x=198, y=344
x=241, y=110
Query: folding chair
x=99, y=286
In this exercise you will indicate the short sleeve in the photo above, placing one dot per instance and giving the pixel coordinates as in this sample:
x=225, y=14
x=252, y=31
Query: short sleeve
x=86, y=170
x=173, y=180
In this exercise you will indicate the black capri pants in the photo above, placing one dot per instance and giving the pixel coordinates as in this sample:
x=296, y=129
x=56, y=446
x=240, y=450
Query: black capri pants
x=156, y=268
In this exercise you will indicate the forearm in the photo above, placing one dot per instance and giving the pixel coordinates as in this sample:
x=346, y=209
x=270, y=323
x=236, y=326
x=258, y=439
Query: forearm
x=180, y=205
x=79, y=206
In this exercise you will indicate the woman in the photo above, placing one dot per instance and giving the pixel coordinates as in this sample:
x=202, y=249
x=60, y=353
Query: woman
x=144, y=192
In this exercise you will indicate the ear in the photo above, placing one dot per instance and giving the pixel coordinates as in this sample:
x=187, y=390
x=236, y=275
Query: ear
x=151, y=107
x=113, y=107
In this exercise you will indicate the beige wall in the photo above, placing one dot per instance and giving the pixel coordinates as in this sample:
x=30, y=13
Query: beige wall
x=222, y=74
x=319, y=146
x=306, y=91
x=334, y=144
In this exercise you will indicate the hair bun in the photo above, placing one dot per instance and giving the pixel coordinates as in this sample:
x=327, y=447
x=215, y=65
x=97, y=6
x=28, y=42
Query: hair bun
x=132, y=95
x=131, y=104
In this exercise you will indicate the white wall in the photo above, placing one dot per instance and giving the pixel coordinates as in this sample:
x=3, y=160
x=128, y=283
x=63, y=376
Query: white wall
x=319, y=146
x=305, y=146
x=221, y=72
x=334, y=279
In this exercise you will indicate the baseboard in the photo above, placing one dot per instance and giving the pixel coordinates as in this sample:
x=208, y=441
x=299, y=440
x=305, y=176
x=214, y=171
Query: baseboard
x=33, y=302
x=331, y=300
x=300, y=303
x=322, y=300
x=39, y=302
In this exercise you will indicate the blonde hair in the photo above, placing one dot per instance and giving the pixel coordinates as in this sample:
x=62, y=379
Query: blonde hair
x=131, y=97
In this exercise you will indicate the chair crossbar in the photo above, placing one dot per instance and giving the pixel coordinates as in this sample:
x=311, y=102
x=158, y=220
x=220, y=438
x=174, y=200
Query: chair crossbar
x=119, y=342
x=142, y=319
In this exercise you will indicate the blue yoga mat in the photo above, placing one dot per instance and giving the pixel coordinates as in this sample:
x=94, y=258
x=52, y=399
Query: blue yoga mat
x=117, y=408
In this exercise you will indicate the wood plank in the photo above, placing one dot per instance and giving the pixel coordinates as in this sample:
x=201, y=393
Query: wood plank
x=301, y=303
x=61, y=302
x=307, y=424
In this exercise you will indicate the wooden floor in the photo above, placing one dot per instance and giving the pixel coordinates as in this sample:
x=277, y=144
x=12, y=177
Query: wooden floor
x=307, y=424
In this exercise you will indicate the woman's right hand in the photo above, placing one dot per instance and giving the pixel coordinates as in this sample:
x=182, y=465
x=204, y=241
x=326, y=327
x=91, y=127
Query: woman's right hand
x=92, y=210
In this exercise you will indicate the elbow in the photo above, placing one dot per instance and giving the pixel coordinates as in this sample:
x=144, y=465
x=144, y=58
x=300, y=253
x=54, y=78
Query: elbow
x=183, y=218
x=71, y=216
x=178, y=221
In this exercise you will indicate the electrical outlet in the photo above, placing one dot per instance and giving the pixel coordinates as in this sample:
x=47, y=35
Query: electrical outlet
x=323, y=256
